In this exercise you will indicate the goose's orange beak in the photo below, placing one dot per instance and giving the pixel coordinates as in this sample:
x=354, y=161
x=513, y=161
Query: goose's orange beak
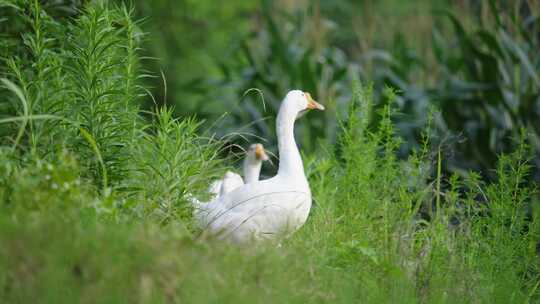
x=260, y=154
x=312, y=104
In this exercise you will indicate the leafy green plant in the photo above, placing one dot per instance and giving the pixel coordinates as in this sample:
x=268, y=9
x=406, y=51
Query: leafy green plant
x=484, y=81
x=372, y=209
x=100, y=72
x=78, y=91
x=87, y=79
x=489, y=87
x=172, y=163
x=283, y=55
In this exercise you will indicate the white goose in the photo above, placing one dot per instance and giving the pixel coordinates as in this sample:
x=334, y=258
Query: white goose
x=255, y=155
x=273, y=207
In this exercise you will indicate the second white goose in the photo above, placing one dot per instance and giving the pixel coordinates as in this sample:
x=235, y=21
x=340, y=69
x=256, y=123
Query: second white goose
x=255, y=155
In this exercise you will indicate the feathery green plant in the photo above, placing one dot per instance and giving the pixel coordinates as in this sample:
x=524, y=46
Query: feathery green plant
x=172, y=163
x=78, y=91
x=78, y=77
x=101, y=79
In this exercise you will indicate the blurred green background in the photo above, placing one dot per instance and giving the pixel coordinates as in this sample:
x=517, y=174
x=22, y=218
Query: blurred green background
x=473, y=64
x=469, y=69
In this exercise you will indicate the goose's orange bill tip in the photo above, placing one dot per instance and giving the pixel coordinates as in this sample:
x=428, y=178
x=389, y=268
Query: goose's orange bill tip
x=312, y=104
x=260, y=154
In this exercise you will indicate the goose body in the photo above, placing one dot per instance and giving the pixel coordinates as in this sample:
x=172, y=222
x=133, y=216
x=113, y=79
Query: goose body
x=273, y=207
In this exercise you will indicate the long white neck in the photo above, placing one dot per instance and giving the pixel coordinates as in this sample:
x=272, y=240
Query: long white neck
x=252, y=170
x=290, y=162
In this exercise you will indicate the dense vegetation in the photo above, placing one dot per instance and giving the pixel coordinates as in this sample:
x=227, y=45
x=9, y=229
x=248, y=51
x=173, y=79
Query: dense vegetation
x=474, y=61
x=95, y=170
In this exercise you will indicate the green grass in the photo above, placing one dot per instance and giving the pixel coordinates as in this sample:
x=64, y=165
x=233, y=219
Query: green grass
x=93, y=197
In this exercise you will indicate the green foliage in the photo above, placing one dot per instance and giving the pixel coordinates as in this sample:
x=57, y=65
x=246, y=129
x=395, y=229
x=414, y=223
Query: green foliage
x=489, y=87
x=34, y=186
x=284, y=54
x=100, y=74
x=77, y=93
x=483, y=78
x=479, y=69
x=369, y=222
x=172, y=162
x=83, y=73
x=364, y=241
x=183, y=39
x=93, y=196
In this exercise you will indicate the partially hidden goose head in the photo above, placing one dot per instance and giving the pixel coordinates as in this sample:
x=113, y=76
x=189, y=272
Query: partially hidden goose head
x=255, y=155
